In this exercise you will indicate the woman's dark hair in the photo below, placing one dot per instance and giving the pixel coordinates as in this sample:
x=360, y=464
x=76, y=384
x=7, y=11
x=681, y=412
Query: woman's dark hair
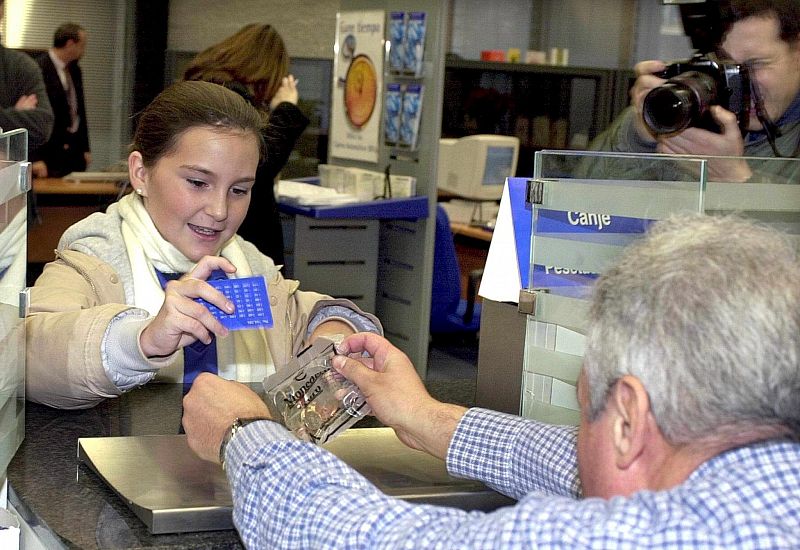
x=187, y=105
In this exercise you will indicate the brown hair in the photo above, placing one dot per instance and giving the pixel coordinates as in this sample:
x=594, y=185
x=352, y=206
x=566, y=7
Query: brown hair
x=255, y=57
x=187, y=105
x=65, y=33
x=787, y=12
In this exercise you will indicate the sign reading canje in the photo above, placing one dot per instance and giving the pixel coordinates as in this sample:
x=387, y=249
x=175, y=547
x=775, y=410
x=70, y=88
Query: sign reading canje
x=357, y=85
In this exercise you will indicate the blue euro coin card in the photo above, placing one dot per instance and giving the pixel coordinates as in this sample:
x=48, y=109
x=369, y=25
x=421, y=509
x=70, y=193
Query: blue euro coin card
x=249, y=297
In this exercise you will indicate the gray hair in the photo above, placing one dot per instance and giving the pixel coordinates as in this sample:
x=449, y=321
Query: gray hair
x=705, y=311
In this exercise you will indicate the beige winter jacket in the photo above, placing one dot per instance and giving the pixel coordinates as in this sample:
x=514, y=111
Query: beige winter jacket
x=75, y=299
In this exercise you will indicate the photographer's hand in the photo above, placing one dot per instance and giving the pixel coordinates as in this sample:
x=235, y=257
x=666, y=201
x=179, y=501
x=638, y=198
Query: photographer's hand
x=696, y=141
x=646, y=80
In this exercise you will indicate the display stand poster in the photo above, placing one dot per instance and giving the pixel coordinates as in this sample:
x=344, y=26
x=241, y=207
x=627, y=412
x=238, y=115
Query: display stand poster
x=358, y=85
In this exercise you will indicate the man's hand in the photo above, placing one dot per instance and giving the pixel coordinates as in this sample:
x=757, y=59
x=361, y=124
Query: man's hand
x=646, y=80
x=696, y=141
x=287, y=92
x=39, y=169
x=26, y=102
x=210, y=408
x=394, y=391
x=87, y=157
x=182, y=321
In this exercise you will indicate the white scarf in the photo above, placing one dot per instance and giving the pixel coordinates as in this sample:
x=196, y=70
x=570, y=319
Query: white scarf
x=242, y=356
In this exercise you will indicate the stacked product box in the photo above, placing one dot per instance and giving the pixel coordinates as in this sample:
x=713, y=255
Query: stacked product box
x=410, y=115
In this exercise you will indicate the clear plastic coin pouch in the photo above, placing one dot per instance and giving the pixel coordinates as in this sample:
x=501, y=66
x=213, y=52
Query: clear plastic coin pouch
x=311, y=399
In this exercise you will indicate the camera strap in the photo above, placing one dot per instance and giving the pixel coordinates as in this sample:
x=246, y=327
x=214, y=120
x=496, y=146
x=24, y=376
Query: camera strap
x=772, y=130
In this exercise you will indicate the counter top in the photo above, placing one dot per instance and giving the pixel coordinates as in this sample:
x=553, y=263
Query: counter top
x=51, y=490
x=80, y=511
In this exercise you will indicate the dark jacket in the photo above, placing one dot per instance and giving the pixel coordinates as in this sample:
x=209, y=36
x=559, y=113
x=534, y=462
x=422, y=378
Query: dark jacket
x=262, y=225
x=20, y=76
x=61, y=161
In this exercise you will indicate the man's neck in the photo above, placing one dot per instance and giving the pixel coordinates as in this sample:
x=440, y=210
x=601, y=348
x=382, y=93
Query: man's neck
x=680, y=461
x=62, y=55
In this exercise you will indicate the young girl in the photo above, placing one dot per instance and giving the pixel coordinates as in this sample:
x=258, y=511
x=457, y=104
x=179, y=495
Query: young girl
x=117, y=307
x=254, y=63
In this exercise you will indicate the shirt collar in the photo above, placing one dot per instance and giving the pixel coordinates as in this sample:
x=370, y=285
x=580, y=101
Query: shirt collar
x=60, y=65
x=790, y=115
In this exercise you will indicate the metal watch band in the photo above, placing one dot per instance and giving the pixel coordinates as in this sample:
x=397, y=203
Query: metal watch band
x=238, y=424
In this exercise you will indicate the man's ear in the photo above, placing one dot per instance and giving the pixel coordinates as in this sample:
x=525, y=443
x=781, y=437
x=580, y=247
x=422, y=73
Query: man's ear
x=137, y=172
x=630, y=406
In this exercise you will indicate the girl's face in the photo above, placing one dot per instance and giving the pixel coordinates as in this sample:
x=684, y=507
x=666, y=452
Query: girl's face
x=198, y=194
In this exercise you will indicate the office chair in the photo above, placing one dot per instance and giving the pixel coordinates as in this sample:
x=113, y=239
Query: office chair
x=450, y=314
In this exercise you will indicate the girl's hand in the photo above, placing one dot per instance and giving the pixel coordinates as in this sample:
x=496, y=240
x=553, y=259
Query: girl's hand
x=181, y=320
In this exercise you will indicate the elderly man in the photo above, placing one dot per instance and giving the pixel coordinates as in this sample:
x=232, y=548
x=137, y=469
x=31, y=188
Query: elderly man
x=765, y=36
x=689, y=426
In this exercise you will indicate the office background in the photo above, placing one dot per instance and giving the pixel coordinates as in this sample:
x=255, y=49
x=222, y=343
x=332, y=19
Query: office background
x=128, y=40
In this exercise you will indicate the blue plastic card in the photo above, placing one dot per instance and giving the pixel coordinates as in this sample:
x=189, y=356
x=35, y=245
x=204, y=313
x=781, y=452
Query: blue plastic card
x=249, y=297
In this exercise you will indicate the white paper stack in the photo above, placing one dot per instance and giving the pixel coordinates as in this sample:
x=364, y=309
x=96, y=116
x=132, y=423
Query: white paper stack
x=308, y=194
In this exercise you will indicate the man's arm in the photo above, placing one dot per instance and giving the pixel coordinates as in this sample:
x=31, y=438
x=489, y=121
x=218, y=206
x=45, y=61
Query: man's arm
x=511, y=454
x=292, y=494
x=27, y=80
x=397, y=396
x=289, y=493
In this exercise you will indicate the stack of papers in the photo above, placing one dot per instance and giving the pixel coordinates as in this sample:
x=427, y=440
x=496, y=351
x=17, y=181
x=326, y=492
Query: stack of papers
x=308, y=194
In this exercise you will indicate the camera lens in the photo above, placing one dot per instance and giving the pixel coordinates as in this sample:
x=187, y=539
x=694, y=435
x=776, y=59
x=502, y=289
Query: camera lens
x=679, y=103
x=668, y=109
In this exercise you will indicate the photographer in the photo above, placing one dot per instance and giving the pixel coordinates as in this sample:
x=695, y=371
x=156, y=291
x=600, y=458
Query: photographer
x=764, y=36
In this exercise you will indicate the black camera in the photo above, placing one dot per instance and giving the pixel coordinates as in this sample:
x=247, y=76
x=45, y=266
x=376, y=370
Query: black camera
x=696, y=84
x=692, y=87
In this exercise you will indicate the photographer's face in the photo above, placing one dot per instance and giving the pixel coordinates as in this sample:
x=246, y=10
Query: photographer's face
x=775, y=63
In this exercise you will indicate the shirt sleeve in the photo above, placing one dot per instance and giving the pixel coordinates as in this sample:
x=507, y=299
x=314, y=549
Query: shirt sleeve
x=622, y=137
x=39, y=120
x=293, y=494
x=514, y=455
x=123, y=360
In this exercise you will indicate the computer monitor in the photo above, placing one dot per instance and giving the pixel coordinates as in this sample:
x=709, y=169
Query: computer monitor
x=476, y=167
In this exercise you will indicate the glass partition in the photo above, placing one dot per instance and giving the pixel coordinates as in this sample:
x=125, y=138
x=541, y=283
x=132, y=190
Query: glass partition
x=586, y=207
x=14, y=185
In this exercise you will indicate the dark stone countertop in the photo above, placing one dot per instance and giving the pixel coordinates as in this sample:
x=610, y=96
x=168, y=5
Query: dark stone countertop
x=51, y=489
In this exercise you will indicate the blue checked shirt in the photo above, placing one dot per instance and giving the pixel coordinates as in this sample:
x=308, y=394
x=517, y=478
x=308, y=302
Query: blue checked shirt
x=291, y=494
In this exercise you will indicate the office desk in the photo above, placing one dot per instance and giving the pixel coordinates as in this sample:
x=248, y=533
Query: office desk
x=81, y=511
x=471, y=231
x=61, y=203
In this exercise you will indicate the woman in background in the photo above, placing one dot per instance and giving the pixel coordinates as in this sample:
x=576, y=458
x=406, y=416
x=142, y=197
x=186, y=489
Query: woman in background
x=118, y=307
x=254, y=63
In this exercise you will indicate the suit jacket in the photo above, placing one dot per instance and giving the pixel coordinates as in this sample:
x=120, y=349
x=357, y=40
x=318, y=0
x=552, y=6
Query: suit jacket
x=19, y=75
x=53, y=152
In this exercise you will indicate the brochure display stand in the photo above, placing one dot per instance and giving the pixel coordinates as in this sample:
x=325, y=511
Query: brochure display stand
x=387, y=54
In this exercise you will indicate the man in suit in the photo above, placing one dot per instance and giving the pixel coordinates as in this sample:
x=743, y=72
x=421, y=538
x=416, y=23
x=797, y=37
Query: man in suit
x=68, y=148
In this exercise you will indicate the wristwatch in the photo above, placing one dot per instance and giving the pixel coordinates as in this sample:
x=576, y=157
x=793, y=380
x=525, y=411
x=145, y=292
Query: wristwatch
x=238, y=424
